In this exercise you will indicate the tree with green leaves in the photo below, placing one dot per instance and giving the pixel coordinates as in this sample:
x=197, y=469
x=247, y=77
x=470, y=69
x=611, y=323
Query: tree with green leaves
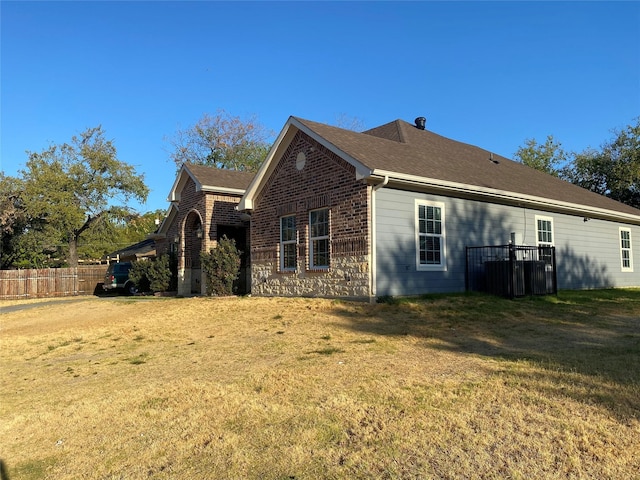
x=70, y=188
x=222, y=141
x=614, y=170
x=112, y=234
x=548, y=157
x=13, y=220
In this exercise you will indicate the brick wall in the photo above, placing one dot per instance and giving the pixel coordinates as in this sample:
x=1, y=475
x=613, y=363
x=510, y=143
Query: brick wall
x=212, y=210
x=325, y=181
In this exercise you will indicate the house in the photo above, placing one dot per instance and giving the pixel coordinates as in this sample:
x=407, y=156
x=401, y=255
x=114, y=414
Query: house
x=390, y=211
x=202, y=211
x=146, y=249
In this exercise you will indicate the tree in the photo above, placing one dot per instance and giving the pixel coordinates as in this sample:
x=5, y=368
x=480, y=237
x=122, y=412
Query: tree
x=590, y=170
x=13, y=219
x=11, y=212
x=347, y=122
x=112, y=234
x=613, y=171
x=548, y=157
x=72, y=187
x=222, y=141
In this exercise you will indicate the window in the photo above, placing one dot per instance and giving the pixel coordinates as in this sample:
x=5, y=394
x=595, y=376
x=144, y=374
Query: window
x=545, y=231
x=544, y=238
x=625, y=250
x=288, y=243
x=430, y=236
x=319, y=238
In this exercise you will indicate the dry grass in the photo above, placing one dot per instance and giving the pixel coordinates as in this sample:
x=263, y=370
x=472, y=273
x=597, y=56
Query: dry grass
x=450, y=387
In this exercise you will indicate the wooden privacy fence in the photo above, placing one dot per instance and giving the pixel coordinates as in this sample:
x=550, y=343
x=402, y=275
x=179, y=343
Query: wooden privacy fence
x=50, y=282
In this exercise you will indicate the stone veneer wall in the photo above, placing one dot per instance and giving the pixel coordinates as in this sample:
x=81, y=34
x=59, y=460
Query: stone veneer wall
x=348, y=277
x=325, y=181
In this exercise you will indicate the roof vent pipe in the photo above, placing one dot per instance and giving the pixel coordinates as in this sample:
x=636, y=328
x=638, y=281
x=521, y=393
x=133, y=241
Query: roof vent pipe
x=420, y=123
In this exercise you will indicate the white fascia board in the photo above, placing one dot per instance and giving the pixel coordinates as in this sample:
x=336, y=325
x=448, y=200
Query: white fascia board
x=174, y=193
x=509, y=197
x=168, y=218
x=234, y=191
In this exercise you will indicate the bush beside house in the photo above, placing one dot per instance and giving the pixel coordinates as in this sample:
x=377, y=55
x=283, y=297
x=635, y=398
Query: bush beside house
x=221, y=267
x=152, y=276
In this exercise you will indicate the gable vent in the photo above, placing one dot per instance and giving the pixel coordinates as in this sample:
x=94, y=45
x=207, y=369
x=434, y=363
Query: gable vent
x=421, y=122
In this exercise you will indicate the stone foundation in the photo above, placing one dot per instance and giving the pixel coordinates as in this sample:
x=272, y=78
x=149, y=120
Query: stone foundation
x=348, y=277
x=185, y=282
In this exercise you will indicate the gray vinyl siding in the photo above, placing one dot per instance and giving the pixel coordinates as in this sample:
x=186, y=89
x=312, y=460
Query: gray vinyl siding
x=587, y=253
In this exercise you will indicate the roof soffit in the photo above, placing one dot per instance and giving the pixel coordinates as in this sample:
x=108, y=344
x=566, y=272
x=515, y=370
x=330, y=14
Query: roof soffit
x=491, y=195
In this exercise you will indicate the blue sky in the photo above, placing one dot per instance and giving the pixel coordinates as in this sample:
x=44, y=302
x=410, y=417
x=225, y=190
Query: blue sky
x=492, y=74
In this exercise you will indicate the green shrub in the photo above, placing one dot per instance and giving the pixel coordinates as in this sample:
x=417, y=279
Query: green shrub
x=221, y=267
x=139, y=274
x=160, y=274
x=173, y=270
x=152, y=276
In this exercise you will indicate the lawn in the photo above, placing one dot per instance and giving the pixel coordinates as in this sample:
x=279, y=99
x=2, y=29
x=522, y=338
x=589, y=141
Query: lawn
x=461, y=386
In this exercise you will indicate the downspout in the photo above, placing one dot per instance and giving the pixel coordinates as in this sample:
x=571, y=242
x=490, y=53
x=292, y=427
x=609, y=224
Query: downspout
x=372, y=270
x=380, y=185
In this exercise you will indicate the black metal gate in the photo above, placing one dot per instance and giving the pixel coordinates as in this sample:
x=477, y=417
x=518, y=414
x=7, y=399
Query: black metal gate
x=511, y=270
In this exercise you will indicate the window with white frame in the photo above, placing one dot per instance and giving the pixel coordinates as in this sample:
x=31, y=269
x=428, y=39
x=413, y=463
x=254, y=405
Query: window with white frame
x=430, y=236
x=288, y=243
x=625, y=250
x=545, y=237
x=319, y=254
x=544, y=230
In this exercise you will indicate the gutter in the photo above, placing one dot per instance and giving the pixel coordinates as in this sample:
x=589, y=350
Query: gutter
x=510, y=198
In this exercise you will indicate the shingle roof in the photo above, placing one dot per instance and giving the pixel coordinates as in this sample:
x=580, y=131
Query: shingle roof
x=399, y=148
x=145, y=248
x=212, y=177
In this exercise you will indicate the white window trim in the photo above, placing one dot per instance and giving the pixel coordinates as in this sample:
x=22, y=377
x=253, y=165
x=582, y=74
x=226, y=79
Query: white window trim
x=287, y=242
x=553, y=233
x=442, y=267
x=630, y=249
x=323, y=237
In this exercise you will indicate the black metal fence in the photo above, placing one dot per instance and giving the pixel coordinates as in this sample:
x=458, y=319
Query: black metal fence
x=511, y=270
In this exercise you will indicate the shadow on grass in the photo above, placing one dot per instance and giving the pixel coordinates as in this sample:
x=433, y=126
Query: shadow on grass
x=584, y=344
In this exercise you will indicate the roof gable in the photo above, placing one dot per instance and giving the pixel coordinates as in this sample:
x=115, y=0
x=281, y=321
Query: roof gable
x=210, y=179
